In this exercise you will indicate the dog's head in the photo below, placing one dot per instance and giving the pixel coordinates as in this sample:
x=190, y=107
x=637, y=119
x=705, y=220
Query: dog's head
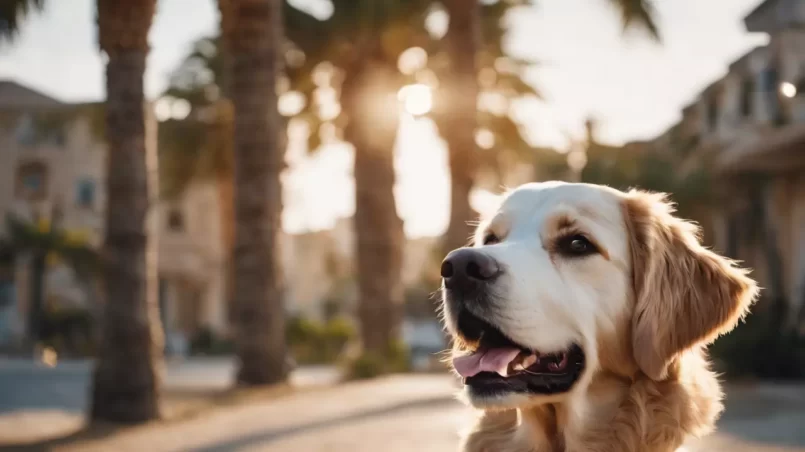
x=567, y=280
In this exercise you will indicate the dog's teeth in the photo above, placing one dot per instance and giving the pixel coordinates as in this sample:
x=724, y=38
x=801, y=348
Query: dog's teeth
x=530, y=360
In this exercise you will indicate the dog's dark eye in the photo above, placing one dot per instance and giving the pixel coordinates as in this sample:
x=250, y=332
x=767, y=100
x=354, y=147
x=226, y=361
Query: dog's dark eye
x=576, y=245
x=491, y=239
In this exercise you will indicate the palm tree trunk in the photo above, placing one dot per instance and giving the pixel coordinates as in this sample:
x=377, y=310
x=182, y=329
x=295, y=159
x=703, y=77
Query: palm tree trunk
x=252, y=37
x=379, y=236
x=226, y=198
x=126, y=376
x=36, y=299
x=226, y=182
x=457, y=116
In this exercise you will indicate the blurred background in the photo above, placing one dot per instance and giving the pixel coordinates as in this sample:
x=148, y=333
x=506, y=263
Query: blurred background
x=230, y=214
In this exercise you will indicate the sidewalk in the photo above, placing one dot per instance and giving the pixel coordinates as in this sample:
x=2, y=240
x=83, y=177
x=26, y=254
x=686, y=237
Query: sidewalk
x=346, y=417
x=414, y=413
x=40, y=402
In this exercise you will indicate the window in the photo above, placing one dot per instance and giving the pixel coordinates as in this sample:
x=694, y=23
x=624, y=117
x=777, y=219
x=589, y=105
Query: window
x=175, y=220
x=768, y=80
x=747, y=91
x=85, y=193
x=26, y=132
x=712, y=112
x=32, y=181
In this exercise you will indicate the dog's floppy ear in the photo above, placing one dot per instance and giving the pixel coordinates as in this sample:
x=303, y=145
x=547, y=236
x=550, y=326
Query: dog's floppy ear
x=685, y=295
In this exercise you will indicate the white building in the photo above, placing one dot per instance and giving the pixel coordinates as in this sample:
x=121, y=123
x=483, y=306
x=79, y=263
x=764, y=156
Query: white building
x=53, y=159
x=748, y=129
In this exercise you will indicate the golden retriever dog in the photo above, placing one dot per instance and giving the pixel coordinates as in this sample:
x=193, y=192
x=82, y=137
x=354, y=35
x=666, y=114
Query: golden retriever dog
x=580, y=319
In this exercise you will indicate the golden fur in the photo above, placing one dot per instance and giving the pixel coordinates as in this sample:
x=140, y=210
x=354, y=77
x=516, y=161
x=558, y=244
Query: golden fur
x=653, y=386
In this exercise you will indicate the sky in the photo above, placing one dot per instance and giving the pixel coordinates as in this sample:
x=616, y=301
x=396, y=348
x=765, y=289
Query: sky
x=587, y=67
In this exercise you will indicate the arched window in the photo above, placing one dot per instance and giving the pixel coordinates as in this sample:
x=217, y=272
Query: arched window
x=32, y=181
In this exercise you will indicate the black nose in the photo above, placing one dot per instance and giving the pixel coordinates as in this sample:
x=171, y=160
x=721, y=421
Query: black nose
x=466, y=267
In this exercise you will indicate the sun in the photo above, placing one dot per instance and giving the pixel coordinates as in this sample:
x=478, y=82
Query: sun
x=417, y=99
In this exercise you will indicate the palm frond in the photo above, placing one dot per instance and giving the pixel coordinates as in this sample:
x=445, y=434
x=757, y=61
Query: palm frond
x=638, y=13
x=13, y=13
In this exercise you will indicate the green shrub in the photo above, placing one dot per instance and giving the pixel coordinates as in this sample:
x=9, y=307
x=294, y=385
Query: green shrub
x=396, y=359
x=367, y=365
x=760, y=348
x=206, y=342
x=69, y=331
x=312, y=342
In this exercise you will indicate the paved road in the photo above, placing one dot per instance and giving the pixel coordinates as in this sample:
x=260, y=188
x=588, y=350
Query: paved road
x=419, y=413
x=29, y=385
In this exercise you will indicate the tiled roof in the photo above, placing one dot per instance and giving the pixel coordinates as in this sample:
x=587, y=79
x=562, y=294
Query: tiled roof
x=14, y=95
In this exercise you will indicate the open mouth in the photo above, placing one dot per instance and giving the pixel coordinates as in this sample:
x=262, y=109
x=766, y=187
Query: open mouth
x=499, y=365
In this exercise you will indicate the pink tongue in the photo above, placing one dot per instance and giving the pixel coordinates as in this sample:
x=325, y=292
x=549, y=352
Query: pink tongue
x=492, y=360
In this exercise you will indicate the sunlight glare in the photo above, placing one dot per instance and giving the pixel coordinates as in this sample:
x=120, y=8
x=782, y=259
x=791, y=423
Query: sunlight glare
x=484, y=201
x=417, y=99
x=493, y=102
x=412, y=60
x=162, y=108
x=180, y=108
x=577, y=160
x=788, y=89
x=436, y=23
x=291, y=103
x=484, y=138
x=323, y=73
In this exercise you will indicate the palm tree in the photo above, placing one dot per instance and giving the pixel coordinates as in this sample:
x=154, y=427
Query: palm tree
x=252, y=35
x=185, y=158
x=126, y=376
x=362, y=40
x=459, y=121
x=198, y=148
x=40, y=241
x=125, y=379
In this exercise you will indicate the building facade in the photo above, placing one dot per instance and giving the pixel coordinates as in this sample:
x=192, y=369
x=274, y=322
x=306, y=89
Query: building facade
x=52, y=165
x=748, y=130
x=52, y=173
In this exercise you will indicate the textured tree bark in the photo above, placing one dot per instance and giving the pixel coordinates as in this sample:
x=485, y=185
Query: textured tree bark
x=456, y=117
x=368, y=98
x=253, y=42
x=126, y=376
x=226, y=184
x=226, y=199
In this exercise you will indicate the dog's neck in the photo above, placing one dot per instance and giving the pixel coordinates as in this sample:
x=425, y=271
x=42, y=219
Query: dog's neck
x=583, y=423
x=613, y=414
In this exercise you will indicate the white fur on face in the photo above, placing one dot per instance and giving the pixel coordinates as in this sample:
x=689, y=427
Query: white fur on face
x=547, y=301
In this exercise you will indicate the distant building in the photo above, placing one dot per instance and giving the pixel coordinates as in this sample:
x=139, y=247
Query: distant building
x=53, y=159
x=50, y=162
x=748, y=129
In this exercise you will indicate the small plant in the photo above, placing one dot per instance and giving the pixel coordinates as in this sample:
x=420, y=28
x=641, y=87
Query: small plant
x=313, y=342
x=365, y=366
x=395, y=359
x=68, y=331
x=206, y=342
x=761, y=348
